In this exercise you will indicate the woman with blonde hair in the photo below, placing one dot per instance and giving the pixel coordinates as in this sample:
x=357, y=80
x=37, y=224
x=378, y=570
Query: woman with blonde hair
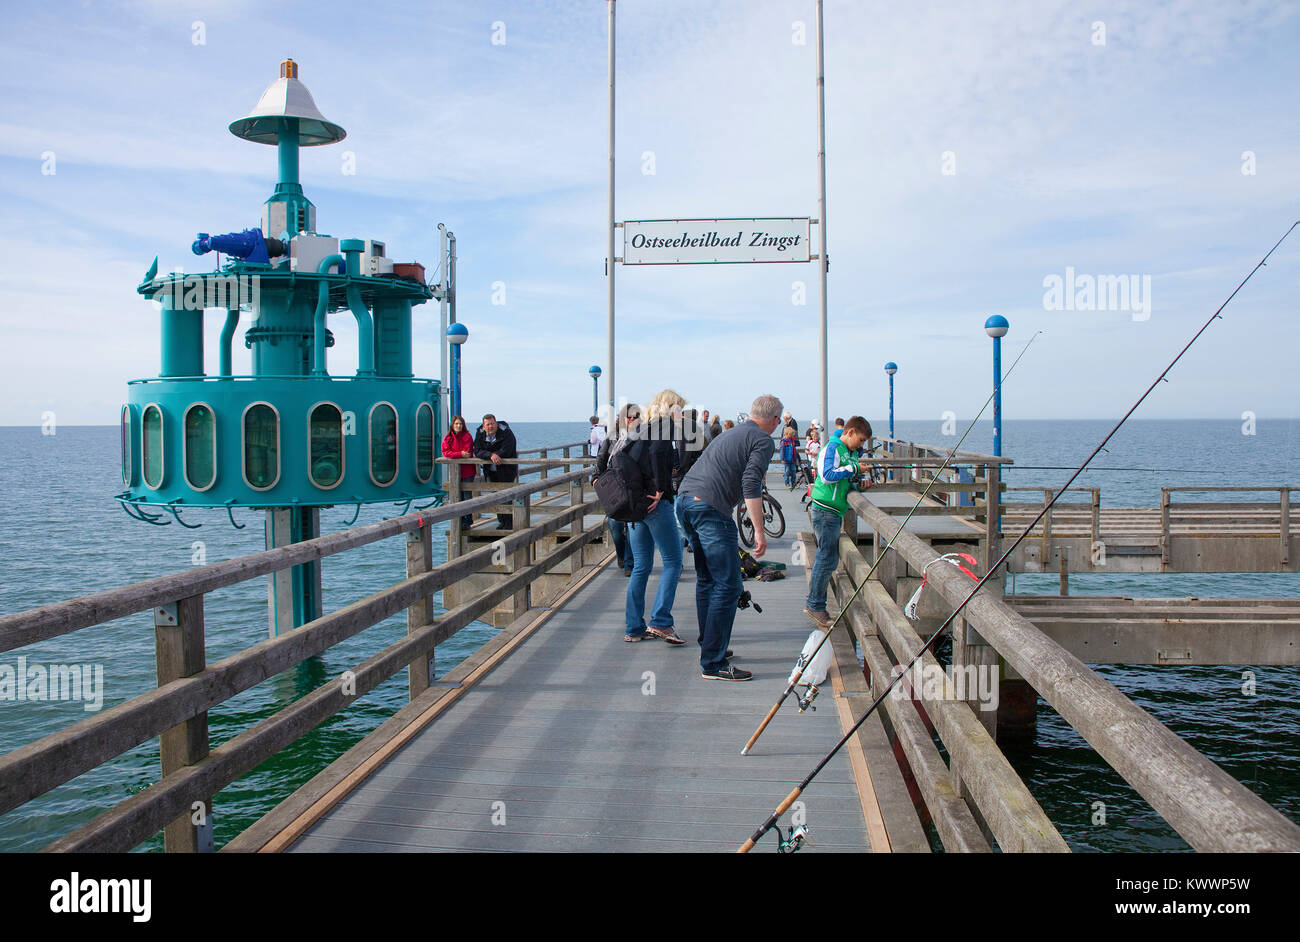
x=655, y=453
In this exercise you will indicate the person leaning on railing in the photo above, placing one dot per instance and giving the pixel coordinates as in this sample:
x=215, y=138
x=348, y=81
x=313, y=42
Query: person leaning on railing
x=494, y=442
x=459, y=443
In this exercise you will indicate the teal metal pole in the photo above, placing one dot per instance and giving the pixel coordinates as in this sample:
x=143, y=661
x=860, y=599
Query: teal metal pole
x=287, y=146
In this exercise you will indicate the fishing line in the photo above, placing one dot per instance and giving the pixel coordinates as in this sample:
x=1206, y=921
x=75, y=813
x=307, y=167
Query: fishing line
x=790, y=799
x=806, y=659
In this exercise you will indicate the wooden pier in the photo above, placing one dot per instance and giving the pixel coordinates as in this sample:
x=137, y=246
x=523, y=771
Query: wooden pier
x=557, y=735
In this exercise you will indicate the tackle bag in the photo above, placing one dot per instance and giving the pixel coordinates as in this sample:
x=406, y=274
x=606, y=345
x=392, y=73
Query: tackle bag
x=621, y=488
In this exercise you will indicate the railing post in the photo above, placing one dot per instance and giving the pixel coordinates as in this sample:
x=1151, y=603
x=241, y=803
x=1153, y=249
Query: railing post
x=1285, y=525
x=1045, y=541
x=545, y=473
x=1096, y=517
x=179, y=647
x=521, y=600
x=577, y=497
x=453, y=525
x=992, y=513
x=419, y=560
x=1164, y=528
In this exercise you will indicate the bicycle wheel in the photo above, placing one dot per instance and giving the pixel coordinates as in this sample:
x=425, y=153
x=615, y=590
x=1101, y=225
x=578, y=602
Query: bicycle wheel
x=745, y=526
x=773, y=519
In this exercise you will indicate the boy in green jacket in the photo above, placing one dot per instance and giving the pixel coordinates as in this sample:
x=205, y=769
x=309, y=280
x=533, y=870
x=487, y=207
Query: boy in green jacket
x=838, y=466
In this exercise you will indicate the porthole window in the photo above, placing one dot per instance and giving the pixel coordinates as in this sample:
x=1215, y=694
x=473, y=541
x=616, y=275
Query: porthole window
x=200, y=447
x=151, y=448
x=325, y=445
x=424, y=442
x=128, y=446
x=261, y=446
x=383, y=444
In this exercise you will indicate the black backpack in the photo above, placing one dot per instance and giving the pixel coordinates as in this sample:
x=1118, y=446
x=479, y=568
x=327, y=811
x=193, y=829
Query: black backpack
x=621, y=488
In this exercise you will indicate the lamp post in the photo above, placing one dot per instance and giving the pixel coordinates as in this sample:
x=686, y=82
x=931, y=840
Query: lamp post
x=997, y=327
x=594, y=372
x=457, y=334
x=891, y=368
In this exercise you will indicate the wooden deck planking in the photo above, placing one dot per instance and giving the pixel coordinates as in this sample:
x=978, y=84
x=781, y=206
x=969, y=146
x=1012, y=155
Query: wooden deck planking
x=562, y=734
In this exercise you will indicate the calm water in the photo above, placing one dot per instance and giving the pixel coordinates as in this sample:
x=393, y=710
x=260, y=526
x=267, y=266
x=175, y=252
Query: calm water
x=63, y=536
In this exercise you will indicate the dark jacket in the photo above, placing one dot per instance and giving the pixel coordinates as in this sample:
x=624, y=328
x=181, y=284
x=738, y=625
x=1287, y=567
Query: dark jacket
x=691, y=439
x=504, y=445
x=731, y=468
x=652, y=449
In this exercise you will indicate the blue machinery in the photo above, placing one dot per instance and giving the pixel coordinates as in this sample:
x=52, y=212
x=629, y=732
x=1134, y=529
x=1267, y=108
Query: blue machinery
x=292, y=437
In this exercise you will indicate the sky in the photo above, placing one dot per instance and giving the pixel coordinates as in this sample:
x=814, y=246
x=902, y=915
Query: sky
x=974, y=152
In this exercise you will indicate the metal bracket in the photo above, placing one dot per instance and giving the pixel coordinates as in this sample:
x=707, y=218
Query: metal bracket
x=165, y=616
x=203, y=833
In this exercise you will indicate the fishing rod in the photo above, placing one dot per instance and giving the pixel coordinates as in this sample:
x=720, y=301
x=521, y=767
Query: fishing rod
x=1066, y=467
x=806, y=659
x=798, y=790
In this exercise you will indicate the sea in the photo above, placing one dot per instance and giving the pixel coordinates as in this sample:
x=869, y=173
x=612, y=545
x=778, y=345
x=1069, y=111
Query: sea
x=62, y=535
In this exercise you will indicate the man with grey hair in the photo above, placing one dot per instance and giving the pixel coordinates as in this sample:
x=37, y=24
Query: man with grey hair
x=731, y=467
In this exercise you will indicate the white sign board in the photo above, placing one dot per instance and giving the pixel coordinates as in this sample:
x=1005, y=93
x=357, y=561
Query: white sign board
x=714, y=241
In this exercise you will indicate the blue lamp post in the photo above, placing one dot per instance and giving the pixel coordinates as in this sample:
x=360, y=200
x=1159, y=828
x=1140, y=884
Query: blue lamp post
x=457, y=334
x=891, y=368
x=997, y=327
x=595, y=389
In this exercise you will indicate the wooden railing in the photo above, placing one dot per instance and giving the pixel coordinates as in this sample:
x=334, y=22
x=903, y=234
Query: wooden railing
x=188, y=687
x=1211, y=810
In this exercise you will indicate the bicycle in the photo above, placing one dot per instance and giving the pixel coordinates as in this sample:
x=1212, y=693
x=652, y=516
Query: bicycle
x=773, y=519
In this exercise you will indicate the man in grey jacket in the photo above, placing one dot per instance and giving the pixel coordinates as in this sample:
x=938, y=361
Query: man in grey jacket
x=731, y=467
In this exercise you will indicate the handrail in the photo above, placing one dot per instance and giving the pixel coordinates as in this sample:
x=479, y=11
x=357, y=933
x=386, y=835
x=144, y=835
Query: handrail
x=1208, y=807
x=59, y=618
x=147, y=812
x=186, y=695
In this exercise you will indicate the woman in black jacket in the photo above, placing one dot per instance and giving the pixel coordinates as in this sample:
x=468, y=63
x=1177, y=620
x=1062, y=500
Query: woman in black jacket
x=654, y=451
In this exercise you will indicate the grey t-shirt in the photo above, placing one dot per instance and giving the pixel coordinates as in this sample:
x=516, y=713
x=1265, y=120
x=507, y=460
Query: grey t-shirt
x=731, y=467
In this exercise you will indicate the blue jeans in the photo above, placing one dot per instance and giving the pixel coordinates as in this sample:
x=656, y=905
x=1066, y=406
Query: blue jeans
x=622, y=545
x=791, y=469
x=716, y=547
x=826, y=527
x=657, y=530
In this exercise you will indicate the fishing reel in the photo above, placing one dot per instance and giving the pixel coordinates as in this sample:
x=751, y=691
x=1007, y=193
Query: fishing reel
x=794, y=843
x=809, y=695
x=746, y=600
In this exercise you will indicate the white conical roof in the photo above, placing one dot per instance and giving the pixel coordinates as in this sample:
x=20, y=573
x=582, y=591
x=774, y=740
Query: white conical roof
x=287, y=97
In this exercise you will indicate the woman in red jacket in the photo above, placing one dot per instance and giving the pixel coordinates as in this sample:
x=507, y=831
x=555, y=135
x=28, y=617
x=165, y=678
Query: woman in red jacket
x=459, y=443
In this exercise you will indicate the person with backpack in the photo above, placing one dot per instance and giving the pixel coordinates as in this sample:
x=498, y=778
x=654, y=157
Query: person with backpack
x=839, y=466
x=629, y=417
x=790, y=455
x=654, y=454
